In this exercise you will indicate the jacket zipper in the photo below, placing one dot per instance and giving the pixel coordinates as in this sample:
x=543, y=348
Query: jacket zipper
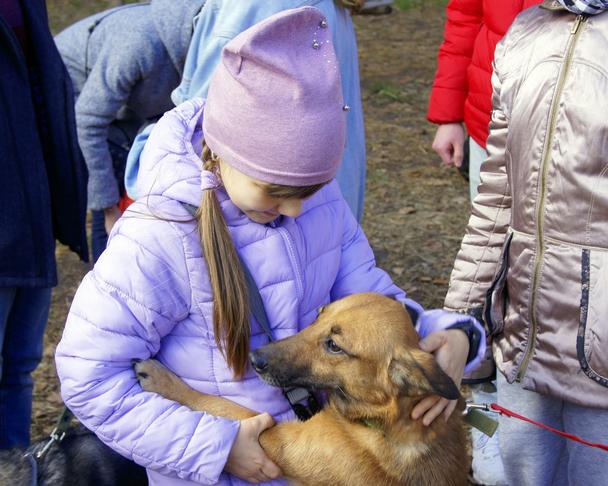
x=293, y=257
x=575, y=32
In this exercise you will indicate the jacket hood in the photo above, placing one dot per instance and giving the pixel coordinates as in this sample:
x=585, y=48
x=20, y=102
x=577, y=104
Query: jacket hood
x=174, y=22
x=552, y=5
x=585, y=7
x=170, y=164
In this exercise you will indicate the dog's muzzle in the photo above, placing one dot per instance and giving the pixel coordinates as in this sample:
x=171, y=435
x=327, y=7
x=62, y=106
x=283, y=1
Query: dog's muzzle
x=259, y=362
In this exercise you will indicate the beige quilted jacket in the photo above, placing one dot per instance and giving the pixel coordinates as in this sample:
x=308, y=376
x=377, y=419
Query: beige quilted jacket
x=535, y=253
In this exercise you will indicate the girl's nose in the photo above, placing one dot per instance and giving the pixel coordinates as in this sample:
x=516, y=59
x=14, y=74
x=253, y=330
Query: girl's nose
x=291, y=207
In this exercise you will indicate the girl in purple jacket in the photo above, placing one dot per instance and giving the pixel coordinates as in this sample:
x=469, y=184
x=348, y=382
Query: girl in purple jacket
x=257, y=159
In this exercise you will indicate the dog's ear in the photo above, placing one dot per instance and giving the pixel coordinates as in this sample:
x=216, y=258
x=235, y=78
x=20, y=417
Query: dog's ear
x=417, y=373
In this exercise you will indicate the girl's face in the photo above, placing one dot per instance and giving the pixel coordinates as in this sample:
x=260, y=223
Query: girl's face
x=249, y=195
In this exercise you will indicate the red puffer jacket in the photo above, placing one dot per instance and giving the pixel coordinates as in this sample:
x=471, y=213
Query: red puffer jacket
x=462, y=88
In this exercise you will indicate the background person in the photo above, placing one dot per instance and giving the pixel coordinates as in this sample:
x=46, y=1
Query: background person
x=220, y=21
x=536, y=242
x=462, y=92
x=462, y=97
x=124, y=63
x=42, y=198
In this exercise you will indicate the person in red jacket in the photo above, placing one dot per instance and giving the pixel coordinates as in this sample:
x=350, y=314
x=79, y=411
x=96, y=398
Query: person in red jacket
x=462, y=91
x=461, y=103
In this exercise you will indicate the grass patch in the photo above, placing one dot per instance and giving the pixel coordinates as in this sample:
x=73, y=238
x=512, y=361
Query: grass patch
x=409, y=4
x=388, y=90
x=63, y=13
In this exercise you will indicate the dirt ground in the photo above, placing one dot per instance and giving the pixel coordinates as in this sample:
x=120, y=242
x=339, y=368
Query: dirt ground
x=416, y=210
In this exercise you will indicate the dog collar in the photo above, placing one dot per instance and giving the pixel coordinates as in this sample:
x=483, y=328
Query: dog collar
x=371, y=423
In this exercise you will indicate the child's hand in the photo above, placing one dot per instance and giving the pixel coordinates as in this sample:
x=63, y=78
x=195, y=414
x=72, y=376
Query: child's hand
x=111, y=215
x=247, y=459
x=450, y=348
x=449, y=143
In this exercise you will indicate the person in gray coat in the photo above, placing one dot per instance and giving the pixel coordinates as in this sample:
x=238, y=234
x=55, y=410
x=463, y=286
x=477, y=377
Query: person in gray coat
x=124, y=63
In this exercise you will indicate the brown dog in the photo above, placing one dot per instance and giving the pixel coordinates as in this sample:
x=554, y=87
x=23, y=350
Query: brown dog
x=363, y=350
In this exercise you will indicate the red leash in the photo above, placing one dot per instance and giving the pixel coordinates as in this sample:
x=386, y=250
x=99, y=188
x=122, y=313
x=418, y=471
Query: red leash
x=509, y=413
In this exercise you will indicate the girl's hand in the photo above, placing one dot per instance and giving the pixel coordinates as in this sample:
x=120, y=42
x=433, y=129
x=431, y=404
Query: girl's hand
x=247, y=460
x=450, y=348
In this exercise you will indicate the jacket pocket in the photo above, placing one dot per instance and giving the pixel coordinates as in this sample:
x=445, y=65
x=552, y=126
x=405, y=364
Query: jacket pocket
x=592, y=337
x=497, y=296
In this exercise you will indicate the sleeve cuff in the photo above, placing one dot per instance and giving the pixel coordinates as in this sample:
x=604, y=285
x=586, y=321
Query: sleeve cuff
x=414, y=309
x=209, y=467
x=440, y=320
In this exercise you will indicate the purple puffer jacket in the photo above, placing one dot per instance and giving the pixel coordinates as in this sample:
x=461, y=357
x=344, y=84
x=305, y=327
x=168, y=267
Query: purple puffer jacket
x=149, y=295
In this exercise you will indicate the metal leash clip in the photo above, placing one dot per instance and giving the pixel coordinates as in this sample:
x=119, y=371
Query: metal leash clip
x=58, y=433
x=55, y=437
x=485, y=407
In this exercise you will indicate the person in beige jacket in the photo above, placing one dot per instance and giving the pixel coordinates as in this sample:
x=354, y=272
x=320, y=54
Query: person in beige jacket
x=534, y=259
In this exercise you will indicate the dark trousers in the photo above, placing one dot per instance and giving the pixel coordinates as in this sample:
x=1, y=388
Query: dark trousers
x=23, y=316
x=118, y=152
x=99, y=237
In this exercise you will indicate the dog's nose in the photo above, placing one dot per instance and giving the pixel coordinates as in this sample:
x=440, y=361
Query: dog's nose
x=258, y=361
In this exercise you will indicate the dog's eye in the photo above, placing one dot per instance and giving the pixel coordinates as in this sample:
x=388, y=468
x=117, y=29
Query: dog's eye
x=332, y=347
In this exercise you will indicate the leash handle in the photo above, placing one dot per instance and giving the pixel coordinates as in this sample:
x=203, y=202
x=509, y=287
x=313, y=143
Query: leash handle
x=510, y=413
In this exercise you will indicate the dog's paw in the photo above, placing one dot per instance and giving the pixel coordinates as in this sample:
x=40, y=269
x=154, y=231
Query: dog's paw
x=154, y=377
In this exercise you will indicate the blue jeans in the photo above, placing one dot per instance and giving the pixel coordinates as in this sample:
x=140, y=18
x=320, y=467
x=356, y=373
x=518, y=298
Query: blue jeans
x=23, y=316
x=99, y=237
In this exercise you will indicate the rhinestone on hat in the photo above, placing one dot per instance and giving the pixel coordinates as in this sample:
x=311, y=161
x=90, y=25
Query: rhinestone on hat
x=316, y=45
x=323, y=24
x=346, y=108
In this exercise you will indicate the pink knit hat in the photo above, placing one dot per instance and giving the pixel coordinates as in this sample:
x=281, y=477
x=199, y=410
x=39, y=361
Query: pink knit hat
x=275, y=109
